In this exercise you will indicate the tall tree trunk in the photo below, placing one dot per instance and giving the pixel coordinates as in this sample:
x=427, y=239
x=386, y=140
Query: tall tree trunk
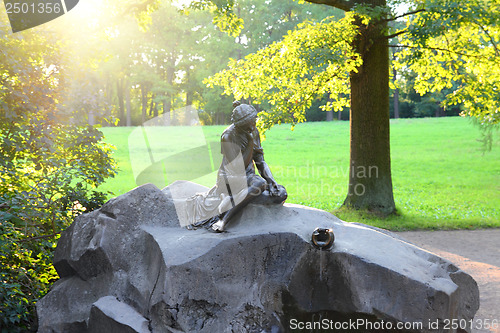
x=108, y=101
x=128, y=103
x=144, y=102
x=370, y=182
x=189, y=90
x=166, y=113
x=153, y=110
x=396, y=90
x=439, y=111
x=121, y=104
x=329, y=115
x=396, y=103
x=91, y=120
x=170, y=81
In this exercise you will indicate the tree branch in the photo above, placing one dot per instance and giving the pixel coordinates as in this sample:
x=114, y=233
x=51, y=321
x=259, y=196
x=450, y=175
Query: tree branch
x=436, y=49
x=403, y=15
x=497, y=52
x=396, y=34
x=38, y=237
x=345, y=5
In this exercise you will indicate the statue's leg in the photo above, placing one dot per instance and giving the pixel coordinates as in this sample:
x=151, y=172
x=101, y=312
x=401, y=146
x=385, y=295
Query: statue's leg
x=256, y=187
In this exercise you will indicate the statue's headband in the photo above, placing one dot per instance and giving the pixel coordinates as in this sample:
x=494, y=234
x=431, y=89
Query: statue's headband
x=242, y=113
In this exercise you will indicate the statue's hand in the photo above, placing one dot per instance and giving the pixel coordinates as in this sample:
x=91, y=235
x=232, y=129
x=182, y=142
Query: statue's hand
x=273, y=188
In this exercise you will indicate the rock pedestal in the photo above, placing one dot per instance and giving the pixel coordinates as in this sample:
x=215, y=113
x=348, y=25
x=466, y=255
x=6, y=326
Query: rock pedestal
x=129, y=267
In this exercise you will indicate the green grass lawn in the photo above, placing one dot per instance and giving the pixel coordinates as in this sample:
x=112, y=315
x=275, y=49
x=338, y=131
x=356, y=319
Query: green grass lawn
x=441, y=178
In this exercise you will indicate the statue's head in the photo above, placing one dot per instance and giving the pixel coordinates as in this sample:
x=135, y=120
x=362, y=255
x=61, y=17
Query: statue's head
x=244, y=115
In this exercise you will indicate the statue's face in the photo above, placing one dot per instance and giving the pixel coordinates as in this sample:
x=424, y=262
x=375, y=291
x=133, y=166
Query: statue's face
x=249, y=125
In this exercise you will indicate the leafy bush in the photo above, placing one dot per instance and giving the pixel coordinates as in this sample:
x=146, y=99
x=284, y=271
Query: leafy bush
x=49, y=171
x=26, y=273
x=41, y=192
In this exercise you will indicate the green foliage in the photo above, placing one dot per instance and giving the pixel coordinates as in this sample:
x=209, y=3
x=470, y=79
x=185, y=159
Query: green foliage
x=414, y=105
x=455, y=46
x=487, y=135
x=223, y=14
x=42, y=163
x=26, y=269
x=25, y=273
x=49, y=170
x=448, y=45
x=266, y=22
x=308, y=63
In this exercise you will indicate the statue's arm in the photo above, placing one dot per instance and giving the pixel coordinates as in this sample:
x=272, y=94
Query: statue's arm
x=228, y=149
x=258, y=157
x=264, y=171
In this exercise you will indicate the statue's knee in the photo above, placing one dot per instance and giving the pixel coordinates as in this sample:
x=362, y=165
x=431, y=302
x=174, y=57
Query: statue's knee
x=256, y=190
x=257, y=186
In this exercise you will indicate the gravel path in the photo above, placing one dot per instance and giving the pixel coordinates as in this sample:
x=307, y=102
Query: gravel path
x=477, y=252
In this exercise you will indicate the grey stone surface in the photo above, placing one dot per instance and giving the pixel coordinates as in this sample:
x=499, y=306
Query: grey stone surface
x=258, y=277
x=112, y=316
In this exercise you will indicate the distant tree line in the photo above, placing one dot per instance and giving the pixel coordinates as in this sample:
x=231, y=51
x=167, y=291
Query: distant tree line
x=139, y=70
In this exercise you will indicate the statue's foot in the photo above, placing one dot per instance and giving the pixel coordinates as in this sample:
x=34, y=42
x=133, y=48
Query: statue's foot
x=218, y=226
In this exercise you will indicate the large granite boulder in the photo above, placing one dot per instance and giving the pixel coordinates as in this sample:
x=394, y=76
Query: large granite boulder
x=129, y=267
